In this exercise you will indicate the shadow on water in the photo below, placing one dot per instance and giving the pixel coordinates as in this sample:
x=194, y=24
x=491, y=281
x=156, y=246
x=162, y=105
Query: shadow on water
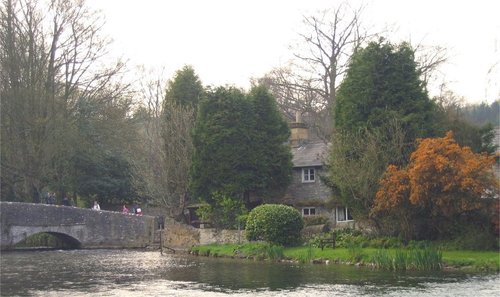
x=228, y=274
x=147, y=273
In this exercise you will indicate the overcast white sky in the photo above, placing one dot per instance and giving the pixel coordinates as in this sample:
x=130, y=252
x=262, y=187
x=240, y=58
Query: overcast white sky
x=231, y=41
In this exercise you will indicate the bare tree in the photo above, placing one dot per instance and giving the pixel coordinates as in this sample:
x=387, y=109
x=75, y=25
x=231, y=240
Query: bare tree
x=448, y=102
x=21, y=63
x=321, y=58
x=357, y=160
x=178, y=147
x=293, y=92
x=308, y=84
x=429, y=59
x=332, y=38
x=163, y=167
x=49, y=58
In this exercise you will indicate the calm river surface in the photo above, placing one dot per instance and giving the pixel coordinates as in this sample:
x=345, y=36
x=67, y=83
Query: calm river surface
x=147, y=273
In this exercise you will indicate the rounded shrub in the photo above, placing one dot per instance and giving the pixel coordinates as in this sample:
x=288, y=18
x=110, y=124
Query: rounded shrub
x=274, y=223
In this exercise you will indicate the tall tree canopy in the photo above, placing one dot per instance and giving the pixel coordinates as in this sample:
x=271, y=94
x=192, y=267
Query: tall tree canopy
x=166, y=148
x=382, y=107
x=382, y=84
x=455, y=116
x=443, y=184
x=221, y=145
x=185, y=89
x=483, y=113
x=239, y=145
x=358, y=160
x=271, y=153
x=58, y=102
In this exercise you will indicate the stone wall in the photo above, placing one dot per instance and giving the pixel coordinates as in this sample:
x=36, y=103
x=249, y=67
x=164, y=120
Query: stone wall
x=182, y=236
x=299, y=191
x=210, y=236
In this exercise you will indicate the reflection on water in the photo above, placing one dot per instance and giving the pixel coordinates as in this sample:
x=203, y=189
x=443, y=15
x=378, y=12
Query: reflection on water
x=147, y=273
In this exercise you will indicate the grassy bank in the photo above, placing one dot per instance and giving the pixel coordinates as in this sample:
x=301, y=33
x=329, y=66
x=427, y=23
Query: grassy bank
x=392, y=259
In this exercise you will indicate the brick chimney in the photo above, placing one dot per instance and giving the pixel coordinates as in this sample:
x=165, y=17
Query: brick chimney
x=299, y=131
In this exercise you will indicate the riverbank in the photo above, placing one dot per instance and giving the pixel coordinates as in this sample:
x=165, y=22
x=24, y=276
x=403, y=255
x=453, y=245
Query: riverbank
x=476, y=261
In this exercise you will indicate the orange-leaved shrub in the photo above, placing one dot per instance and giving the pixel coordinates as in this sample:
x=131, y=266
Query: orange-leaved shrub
x=443, y=184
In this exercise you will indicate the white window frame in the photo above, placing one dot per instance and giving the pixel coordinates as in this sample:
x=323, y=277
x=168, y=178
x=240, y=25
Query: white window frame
x=308, y=209
x=307, y=173
x=346, y=211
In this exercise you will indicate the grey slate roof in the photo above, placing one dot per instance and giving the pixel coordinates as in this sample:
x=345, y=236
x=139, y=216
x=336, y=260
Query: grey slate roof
x=310, y=154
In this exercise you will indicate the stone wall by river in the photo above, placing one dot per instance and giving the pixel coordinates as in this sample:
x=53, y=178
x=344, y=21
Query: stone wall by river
x=182, y=236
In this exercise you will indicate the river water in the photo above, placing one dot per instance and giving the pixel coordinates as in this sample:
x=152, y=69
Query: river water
x=147, y=273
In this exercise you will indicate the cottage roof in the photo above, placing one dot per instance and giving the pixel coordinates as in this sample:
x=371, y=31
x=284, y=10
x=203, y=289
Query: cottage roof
x=309, y=154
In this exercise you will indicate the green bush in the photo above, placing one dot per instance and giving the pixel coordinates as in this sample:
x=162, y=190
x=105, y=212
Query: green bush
x=315, y=240
x=226, y=212
x=348, y=237
x=419, y=244
x=475, y=238
x=386, y=242
x=274, y=223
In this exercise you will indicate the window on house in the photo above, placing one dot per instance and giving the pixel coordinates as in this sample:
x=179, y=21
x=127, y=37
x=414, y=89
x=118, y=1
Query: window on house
x=308, y=211
x=343, y=214
x=308, y=175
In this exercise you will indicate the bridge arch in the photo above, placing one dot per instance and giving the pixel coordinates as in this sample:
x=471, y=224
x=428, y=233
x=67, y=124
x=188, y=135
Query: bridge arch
x=64, y=241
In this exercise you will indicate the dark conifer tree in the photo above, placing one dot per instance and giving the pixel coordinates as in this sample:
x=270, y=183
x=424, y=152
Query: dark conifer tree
x=239, y=142
x=383, y=84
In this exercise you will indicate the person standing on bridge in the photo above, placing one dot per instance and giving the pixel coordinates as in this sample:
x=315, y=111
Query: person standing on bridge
x=52, y=198
x=96, y=206
x=138, y=210
x=65, y=201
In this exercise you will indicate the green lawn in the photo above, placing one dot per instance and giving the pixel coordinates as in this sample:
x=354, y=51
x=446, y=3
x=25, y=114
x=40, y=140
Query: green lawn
x=474, y=260
x=478, y=259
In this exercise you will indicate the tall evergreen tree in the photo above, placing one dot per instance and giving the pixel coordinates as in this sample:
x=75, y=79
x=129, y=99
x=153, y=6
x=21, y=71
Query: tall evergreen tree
x=239, y=145
x=273, y=159
x=382, y=84
x=185, y=89
x=382, y=108
x=222, y=144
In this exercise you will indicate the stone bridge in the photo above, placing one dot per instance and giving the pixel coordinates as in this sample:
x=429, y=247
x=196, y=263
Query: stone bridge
x=80, y=227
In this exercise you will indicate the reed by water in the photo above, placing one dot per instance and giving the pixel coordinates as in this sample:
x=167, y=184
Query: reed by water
x=425, y=258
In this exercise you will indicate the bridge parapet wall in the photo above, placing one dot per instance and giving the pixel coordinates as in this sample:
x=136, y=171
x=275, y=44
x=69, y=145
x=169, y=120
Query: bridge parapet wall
x=93, y=229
